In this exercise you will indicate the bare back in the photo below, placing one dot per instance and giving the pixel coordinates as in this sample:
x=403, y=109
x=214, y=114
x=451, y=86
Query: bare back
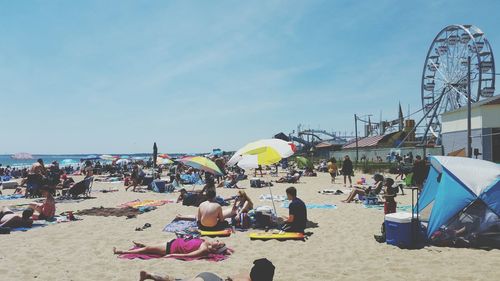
x=210, y=213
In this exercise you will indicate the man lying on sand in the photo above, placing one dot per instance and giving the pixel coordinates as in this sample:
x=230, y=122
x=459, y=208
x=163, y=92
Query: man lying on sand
x=210, y=216
x=9, y=219
x=263, y=270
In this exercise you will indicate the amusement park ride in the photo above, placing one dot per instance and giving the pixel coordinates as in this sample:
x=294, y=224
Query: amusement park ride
x=459, y=70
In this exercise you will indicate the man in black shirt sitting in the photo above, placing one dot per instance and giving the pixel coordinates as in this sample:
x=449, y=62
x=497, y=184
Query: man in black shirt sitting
x=297, y=216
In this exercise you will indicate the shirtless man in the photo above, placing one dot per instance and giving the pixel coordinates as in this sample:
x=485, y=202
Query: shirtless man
x=209, y=217
x=9, y=219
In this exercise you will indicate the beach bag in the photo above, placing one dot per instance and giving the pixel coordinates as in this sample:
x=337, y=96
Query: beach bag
x=158, y=186
x=244, y=221
x=255, y=183
x=190, y=200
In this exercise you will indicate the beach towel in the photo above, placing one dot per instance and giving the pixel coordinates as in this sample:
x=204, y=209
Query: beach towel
x=276, y=198
x=210, y=257
x=334, y=191
x=42, y=223
x=181, y=226
x=150, y=203
x=313, y=206
x=106, y=212
x=11, y=197
x=402, y=208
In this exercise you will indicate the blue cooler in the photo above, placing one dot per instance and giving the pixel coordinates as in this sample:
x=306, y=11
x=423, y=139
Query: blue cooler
x=398, y=229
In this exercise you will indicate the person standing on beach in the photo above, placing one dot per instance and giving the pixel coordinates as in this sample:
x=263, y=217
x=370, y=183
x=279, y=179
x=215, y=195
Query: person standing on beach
x=347, y=170
x=332, y=168
x=419, y=171
x=297, y=213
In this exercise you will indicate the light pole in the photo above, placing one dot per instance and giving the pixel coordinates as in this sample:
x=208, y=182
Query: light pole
x=469, y=133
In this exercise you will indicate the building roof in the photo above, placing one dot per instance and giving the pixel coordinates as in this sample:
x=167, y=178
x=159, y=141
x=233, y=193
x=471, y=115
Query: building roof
x=495, y=100
x=364, y=142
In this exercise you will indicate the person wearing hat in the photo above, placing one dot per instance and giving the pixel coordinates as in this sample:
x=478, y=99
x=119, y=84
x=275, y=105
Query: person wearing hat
x=262, y=270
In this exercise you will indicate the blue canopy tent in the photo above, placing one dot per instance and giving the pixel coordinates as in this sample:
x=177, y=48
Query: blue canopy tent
x=461, y=199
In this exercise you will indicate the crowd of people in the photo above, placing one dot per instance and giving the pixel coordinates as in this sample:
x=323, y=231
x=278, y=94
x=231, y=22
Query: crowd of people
x=213, y=213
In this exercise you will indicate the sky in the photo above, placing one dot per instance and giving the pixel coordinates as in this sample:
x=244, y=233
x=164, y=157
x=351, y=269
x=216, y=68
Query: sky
x=115, y=76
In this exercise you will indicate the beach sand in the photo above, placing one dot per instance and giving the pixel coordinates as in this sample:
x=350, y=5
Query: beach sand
x=341, y=247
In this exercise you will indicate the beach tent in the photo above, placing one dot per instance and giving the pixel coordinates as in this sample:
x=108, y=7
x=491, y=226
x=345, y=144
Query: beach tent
x=461, y=198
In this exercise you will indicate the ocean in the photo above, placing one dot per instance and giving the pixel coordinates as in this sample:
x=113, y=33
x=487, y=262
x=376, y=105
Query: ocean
x=6, y=160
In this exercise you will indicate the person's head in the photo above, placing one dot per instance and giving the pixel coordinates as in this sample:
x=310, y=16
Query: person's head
x=291, y=193
x=211, y=194
x=40, y=161
x=388, y=182
x=27, y=214
x=378, y=177
x=242, y=195
x=217, y=247
x=262, y=270
x=418, y=157
x=346, y=157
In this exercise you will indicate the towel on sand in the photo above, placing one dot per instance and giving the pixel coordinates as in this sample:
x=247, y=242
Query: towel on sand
x=11, y=197
x=313, y=206
x=275, y=198
x=106, y=212
x=42, y=223
x=150, y=203
x=209, y=257
x=181, y=226
x=402, y=208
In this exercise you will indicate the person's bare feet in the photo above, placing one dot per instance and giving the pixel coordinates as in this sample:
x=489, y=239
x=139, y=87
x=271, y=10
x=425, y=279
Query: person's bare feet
x=117, y=252
x=138, y=244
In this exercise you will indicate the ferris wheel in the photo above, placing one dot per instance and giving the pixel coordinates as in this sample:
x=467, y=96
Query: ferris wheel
x=445, y=74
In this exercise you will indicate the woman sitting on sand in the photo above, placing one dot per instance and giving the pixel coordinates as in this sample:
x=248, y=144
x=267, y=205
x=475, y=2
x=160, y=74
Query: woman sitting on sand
x=263, y=270
x=179, y=248
x=47, y=209
x=242, y=204
x=375, y=190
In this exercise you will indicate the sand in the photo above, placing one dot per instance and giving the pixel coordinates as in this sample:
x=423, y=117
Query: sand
x=341, y=247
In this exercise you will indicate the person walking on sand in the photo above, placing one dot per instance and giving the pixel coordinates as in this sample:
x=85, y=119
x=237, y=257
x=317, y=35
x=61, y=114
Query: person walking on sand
x=332, y=168
x=347, y=170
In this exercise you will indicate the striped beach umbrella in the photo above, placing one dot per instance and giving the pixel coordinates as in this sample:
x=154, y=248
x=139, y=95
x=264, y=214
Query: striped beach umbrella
x=201, y=163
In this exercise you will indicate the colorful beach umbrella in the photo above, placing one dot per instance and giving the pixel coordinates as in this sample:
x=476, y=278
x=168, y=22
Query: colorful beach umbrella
x=165, y=161
x=303, y=162
x=108, y=157
x=201, y=163
x=68, y=162
x=164, y=155
x=268, y=151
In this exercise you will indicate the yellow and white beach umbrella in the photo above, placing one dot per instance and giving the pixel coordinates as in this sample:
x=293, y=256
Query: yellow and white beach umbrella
x=267, y=152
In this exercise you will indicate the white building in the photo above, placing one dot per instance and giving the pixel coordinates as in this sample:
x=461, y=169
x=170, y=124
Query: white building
x=485, y=129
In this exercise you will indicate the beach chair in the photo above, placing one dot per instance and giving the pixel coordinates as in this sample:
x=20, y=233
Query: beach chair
x=83, y=187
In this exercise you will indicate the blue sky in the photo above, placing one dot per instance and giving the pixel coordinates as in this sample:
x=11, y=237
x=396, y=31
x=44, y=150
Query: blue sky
x=114, y=76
